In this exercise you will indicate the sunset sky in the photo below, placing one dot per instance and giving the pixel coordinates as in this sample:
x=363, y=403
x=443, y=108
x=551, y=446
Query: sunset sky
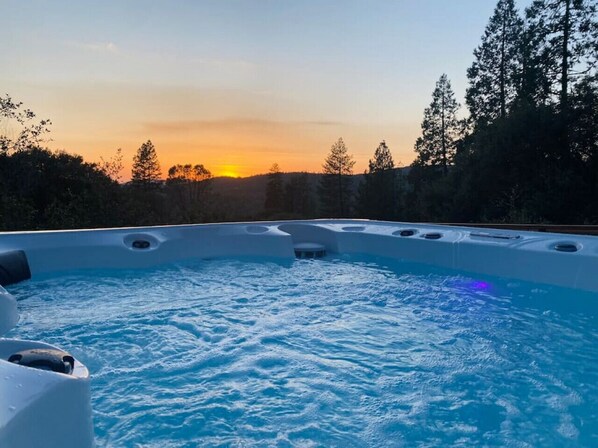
x=236, y=85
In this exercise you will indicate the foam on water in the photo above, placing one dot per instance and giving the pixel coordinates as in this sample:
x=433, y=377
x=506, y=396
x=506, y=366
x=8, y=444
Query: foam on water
x=333, y=352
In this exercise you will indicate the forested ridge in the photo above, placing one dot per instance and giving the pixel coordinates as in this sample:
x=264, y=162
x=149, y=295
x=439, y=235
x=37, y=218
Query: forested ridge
x=522, y=148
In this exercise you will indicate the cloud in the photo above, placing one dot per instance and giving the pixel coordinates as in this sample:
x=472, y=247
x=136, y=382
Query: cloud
x=323, y=123
x=229, y=124
x=98, y=47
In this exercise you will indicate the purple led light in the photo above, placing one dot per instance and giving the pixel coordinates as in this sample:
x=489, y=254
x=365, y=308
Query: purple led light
x=478, y=284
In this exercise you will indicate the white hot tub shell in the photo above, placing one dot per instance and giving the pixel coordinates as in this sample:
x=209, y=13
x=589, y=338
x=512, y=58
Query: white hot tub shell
x=58, y=405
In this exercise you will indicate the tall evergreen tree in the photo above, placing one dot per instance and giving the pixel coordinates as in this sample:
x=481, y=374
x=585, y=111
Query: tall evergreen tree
x=335, y=189
x=440, y=128
x=565, y=43
x=378, y=192
x=274, y=190
x=535, y=85
x=146, y=167
x=495, y=75
x=147, y=205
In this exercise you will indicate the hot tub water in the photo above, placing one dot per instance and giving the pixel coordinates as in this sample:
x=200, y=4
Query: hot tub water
x=347, y=351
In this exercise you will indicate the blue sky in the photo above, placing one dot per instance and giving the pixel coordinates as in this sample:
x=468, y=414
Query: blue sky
x=236, y=85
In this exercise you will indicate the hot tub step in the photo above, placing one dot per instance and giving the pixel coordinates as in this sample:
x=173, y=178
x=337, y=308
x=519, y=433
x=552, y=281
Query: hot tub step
x=309, y=250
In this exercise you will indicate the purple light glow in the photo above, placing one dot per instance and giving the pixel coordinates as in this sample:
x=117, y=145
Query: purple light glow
x=477, y=284
x=472, y=285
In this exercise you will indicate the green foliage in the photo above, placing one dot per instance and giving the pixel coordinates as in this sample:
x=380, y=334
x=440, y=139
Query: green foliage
x=336, y=186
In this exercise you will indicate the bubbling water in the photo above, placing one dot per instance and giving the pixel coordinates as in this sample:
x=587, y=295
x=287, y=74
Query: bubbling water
x=347, y=351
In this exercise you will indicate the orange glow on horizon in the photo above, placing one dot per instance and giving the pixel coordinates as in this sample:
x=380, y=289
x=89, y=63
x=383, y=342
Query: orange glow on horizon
x=232, y=133
x=227, y=171
x=240, y=154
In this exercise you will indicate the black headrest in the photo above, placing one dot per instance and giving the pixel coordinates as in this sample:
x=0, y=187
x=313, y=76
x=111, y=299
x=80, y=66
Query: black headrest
x=14, y=267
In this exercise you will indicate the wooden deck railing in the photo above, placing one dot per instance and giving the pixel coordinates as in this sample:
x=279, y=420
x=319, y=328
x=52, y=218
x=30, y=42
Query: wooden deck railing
x=556, y=228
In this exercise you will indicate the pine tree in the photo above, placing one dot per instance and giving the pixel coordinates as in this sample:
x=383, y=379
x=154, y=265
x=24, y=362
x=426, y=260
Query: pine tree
x=382, y=160
x=440, y=128
x=274, y=190
x=378, y=192
x=335, y=189
x=146, y=167
x=495, y=75
x=564, y=37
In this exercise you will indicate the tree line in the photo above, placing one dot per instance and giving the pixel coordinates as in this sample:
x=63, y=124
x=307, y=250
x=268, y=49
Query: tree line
x=528, y=149
x=525, y=149
x=43, y=189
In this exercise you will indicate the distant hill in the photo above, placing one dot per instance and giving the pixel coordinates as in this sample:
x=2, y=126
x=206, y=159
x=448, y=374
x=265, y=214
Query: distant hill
x=245, y=196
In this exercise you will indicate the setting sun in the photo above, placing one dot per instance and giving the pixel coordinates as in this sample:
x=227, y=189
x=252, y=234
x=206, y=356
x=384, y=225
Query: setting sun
x=227, y=171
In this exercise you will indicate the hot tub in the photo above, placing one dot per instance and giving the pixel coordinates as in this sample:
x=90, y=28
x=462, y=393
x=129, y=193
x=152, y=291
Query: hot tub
x=302, y=333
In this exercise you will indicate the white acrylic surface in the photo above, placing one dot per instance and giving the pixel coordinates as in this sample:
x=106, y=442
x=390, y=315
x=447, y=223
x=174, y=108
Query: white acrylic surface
x=30, y=397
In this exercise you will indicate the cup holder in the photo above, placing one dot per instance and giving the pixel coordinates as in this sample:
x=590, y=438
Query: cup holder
x=405, y=232
x=141, y=242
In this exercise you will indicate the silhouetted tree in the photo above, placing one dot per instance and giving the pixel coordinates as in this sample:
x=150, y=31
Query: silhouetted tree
x=531, y=156
x=378, y=195
x=298, y=197
x=28, y=135
x=146, y=201
x=495, y=75
x=514, y=171
x=565, y=36
x=335, y=189
x=146, y=167
x=274, y=190
x=113, y=166
x=188, y=188
x=42, y=189
x=440, y=128
x=584, y=120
